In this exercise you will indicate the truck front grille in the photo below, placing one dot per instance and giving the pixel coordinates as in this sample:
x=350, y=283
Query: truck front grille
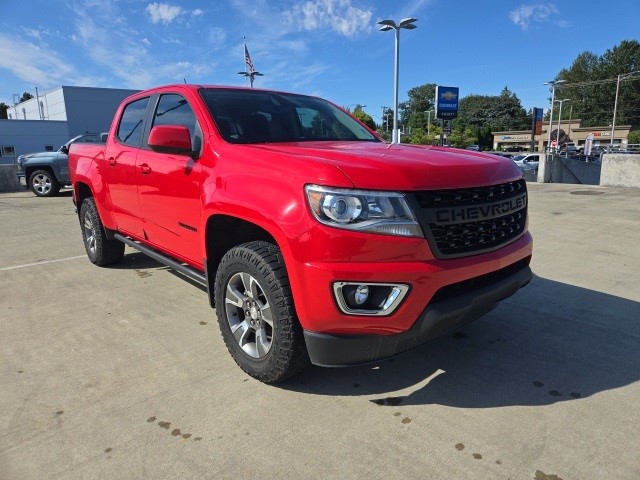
x=470, y=221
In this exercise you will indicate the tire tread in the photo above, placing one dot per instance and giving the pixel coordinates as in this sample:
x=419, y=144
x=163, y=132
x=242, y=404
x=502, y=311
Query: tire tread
x=291, y=356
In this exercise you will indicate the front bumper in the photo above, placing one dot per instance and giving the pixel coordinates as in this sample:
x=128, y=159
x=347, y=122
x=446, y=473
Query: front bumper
x=438, y=318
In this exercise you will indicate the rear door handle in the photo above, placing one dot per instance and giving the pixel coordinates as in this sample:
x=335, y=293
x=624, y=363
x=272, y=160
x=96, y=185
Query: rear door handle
x=145, y=169
x=112, y=162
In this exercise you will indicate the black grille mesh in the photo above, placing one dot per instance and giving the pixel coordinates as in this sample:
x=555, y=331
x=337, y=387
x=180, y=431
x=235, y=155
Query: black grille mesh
x=463, y=237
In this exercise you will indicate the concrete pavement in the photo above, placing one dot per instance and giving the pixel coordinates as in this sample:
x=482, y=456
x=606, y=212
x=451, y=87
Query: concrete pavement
x=114, y=373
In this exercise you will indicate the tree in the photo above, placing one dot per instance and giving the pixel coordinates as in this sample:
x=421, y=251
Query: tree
x=25, y=96
x=3, y=110
x=421, y=99
x=364, y=117
x=479, y=115
x=634, y=137
x=591, y=82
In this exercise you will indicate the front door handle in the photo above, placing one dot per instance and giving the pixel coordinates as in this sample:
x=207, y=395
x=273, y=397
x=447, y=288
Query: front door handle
x=112, y=162
x=145, y=169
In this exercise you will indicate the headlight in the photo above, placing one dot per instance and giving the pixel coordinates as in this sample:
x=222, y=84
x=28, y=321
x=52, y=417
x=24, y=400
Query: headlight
x=387, y=213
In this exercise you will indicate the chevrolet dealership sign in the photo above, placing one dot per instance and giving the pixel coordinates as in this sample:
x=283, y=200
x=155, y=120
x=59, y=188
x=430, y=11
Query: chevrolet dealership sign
x=447, y=102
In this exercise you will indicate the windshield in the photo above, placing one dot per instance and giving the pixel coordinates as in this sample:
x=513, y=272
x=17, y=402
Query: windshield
x=244, y=116
x=518, y=158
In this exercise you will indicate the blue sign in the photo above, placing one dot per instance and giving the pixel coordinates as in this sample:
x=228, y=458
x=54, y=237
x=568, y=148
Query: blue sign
x=447, y=102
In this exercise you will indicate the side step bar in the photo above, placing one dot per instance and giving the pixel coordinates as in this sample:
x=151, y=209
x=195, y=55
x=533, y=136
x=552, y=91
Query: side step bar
x=185, y=270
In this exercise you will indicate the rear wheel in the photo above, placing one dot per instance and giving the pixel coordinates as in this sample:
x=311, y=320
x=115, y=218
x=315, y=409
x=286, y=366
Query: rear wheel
x=44, y=184
x=255, y=312
x=100, y=250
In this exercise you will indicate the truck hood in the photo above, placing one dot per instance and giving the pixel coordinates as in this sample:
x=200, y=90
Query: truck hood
x=383, y=166
x=41, y=155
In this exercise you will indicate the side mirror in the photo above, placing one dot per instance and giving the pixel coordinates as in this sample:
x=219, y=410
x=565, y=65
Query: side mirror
x=171, y=139
x=64, y=149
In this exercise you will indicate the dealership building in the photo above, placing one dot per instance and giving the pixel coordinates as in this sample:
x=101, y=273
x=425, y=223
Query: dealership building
x=574, y=132
x=45, y=122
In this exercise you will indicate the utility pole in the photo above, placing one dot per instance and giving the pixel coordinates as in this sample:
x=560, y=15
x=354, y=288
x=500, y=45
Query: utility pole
x=384, y=118
x=615, y=105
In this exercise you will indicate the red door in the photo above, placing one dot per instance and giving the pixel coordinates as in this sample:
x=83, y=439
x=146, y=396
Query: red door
x=169, y=187
x=120, y=168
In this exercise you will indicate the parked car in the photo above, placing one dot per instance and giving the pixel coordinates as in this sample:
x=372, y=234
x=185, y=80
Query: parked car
x=503, y=154
x=46, y=172
x=316, y=241
x=475, y=147
x=527, y=161
x=513, y=148
x=570, y=149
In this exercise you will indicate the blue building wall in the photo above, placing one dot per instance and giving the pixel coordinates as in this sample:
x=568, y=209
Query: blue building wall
x=87, y=109
x=92, y=109
x=29, y=136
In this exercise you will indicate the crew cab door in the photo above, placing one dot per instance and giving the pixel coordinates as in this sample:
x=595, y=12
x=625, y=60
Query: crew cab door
x=169, y=185
x=120, y=167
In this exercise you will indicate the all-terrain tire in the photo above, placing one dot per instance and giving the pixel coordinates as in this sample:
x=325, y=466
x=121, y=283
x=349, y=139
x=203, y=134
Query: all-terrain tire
x=256, y=314
x=100, y=250
x=44, y=184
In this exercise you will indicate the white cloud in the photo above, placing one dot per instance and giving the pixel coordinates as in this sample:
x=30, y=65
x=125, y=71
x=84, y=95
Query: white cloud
x=146, y=41
x=163, y=12
x=197, y=12
x=411, y=8
x=217, y=36
x=38, y=66
x=339, y=15
x=525, y=15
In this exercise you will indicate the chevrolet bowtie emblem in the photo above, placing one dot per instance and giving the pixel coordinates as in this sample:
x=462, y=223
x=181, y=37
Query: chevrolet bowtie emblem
x=449, y=95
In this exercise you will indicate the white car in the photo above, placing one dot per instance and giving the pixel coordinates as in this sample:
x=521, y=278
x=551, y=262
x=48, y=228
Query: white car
x=527, y=161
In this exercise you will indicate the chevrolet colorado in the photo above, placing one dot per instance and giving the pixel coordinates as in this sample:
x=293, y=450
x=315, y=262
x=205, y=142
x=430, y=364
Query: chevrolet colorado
x=317, y=241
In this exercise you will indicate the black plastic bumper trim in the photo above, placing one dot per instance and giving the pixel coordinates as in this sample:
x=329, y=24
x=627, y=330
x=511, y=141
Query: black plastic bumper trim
x=436, y=320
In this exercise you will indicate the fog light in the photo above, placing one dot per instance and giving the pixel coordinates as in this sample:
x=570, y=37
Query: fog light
x=361, y=294
x=378, y=299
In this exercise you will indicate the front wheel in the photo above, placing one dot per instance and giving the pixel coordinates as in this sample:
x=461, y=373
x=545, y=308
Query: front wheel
x=100, y=250
x=44, y=184
x=255, y=312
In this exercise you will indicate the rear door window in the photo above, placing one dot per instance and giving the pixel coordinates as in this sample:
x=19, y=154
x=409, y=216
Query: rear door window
x=131, y=123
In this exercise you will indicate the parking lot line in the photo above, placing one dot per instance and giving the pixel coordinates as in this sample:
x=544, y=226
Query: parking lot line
x=44, y=262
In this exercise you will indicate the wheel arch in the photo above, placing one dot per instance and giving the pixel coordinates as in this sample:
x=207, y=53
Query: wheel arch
x=29, y=169
x=219, y=240
x=81, y=191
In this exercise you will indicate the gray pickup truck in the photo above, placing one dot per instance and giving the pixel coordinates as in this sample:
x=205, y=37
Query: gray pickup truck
x=46, y=172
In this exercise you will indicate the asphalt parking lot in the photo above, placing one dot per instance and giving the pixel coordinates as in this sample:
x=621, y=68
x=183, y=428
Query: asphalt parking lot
x=121, y=372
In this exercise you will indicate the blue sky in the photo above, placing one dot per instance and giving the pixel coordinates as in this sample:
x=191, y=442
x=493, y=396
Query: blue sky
x=330, y=48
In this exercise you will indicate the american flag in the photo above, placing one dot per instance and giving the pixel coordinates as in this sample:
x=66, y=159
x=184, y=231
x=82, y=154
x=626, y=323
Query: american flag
x=247, y=59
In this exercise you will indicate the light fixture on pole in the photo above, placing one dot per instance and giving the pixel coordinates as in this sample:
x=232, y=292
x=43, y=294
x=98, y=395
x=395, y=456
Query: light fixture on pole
x=387, y=25
x=615, y=105
x=552, y=86
x=559, y=119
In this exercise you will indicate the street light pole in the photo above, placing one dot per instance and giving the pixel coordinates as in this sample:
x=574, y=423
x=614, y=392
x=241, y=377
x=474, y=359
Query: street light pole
x=615, y=104
x=552, y=85
x=386, y=26
x=559, y=119
x=428, y=123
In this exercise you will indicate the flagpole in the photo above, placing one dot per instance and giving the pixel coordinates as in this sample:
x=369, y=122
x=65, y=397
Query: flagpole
x=249, y=70
x=244, y=57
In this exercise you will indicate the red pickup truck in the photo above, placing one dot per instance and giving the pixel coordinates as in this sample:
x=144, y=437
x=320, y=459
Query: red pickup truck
x=317, y=241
